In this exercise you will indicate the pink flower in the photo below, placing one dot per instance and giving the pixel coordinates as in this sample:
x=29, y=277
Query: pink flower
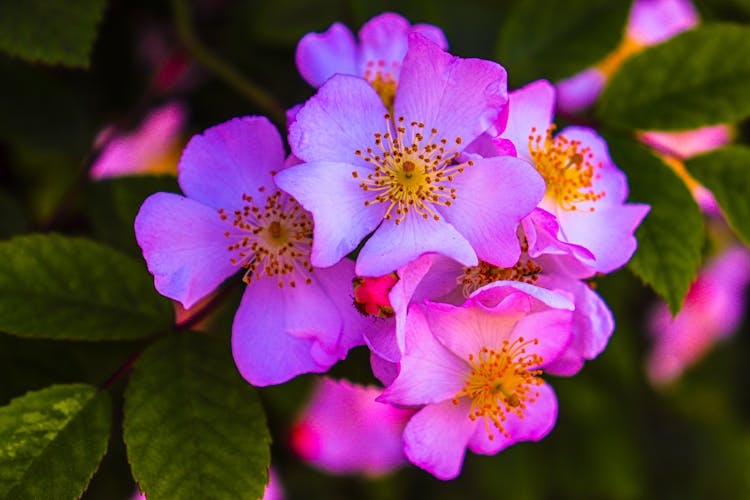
x=650, y=22
x=292, y=319
x=377, y=58
x=153, y=148
x=343, y=430
x=475, y=370
x=586, y=192
x=713, y=309
x=401, y=176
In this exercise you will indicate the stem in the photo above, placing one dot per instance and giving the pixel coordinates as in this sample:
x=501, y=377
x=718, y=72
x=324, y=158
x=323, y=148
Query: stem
x=221, y=68
x=208, y=307
x=126, y=366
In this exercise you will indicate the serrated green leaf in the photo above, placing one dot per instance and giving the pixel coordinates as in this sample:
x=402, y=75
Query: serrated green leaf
x=193, y=427
x=726, y=173
x=671, y=236
x=697, y=78
x=72, y=288
x=52, y=440
x=49, y=31
x=541, y=39
x=112, y=205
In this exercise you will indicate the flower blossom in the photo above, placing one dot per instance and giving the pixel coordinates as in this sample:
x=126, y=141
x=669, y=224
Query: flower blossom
x=343, y=430
x=476, y=372
x=377, y=57
x=293, y=318
x=401, y=176
x=586, y=192
x=712, y=311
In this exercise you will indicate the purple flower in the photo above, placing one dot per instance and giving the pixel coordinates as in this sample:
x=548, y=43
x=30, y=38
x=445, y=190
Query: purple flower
x=586, y=192
x=343, y=430
x=377, y=58
x=476, y=370
x=293, y=318
x=712, y=311
x=402, y=176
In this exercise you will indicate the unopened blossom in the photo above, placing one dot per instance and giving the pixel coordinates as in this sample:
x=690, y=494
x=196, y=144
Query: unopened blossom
x=475, y=370
x=401, y=176
x=712, y=311
x=293, y=318
x=343, y=430
x=153, y=148
x=377, y=57
x=586, y=192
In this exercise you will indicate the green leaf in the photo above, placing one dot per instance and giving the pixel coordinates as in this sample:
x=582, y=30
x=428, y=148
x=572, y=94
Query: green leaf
x=541, y=39
x=52, y=440
x=697, y=78
x=671, y=236
x=50, y=31
x=726, y=173
x=71, y=288
x=112, y=205
x=193, y=427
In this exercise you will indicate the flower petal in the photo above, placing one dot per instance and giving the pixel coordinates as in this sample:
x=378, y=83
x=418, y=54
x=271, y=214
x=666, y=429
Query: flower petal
x=383, y=38
x=493, y=195
x=552, y=330
x=319, y=56
x=458, y=97
x=394, y=245
x=530, y=106
x=435, y=438
x=184, y=246
x=580, y=91
x=231, y=159
x=340, y=119
x=337, y=203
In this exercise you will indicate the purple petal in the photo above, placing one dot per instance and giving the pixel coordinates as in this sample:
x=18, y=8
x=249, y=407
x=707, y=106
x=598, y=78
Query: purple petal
x=184, y=246
x=529, y=106
x=384, y=370
x=279, y=333
x=552, y=329
x=383, y=40
x=394, y=245
x=435, y=438
x=580, y=91
x=433, y=33
x=493, y=195
x=538, y=420
x=653, y=21
x=319, y=56
x=429, y=372
x=340, y=119
x=458, y=97
x=231, y=159
x=337, y=203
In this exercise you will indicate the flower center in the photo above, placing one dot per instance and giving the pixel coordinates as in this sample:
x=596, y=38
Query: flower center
x=411, y=174
x=566, y=168
x=382, y=80
x=525, y=271
x=502, y=383
x=273, y=239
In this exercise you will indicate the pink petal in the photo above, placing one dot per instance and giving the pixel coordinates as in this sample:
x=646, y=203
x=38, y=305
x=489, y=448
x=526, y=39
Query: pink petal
x=433, y=33
x=459, y=97
x=383, y=38
x=319, y=56
x=384, y=370
x=435, y=438
x=552, y=329
x=493, y=195
x=530, y=106
x=184, y=246
x=538, y=420
x=337, y=203
x=580, y=91
x=231, y=159
x=653, y=21
x=429, y=373
x=394, y=245
x=340, y=119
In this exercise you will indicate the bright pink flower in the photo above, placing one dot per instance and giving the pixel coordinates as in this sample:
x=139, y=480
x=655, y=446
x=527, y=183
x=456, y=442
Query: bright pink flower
x=371, y=295
x=712, y=311
x=377, y=57
x=343, y=430
x=586, y=192
x=476, y=370
x=292, y=319
x=402, y=176
x=152, y=148
x=650, y=22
